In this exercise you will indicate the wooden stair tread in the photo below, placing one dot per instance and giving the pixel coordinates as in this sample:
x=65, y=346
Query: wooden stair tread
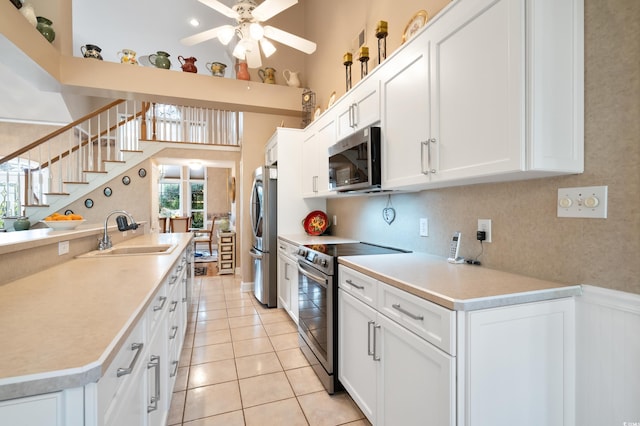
x=114, y=161
x=36, y=205
x=95, y=171
x=76, y=183
x=56, y=193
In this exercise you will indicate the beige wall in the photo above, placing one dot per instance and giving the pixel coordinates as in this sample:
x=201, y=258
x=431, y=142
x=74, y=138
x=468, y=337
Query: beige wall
x=528, y=238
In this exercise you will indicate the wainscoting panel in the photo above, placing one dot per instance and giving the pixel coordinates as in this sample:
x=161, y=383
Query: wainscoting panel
x=607, y=357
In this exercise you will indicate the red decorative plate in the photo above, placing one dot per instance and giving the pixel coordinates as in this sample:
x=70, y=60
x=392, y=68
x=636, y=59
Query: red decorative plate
x=316, y=222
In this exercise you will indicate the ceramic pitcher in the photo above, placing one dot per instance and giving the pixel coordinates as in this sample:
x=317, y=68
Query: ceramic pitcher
x=267, y=75
x=217, y=68
x=160, y=59
x=91, y=51
x=128, y=56
x=292, y=78
x=188, y=64
x=242, y=71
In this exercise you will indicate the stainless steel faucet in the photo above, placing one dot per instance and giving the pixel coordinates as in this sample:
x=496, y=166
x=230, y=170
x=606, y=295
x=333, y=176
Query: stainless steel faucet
x=105, y=242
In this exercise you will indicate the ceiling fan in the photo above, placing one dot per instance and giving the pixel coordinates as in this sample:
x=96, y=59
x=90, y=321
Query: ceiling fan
x=251, y=34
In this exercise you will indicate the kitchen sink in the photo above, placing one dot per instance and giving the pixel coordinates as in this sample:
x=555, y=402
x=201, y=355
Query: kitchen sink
x=131, y=250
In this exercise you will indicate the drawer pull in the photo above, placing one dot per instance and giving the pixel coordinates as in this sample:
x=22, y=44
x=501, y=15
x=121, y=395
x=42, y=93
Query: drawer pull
x=174, y=329
x=376, y=357
x=174, y=305
x=397, y=306
x=163, y=300
x=351, y=283
x=155, y=363
x=173, y=280
x=124, y=371
x=369, y=351
x=175, y=369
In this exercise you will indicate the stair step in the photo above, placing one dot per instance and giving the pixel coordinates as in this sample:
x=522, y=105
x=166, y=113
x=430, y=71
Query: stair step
x=132, y=150
x=75, y=183
x=114, y=161
x=36, y=205
x=95, y=171
x=56, y=193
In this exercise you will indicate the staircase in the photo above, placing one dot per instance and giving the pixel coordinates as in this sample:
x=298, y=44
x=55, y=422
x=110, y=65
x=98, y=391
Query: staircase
x=57, y=169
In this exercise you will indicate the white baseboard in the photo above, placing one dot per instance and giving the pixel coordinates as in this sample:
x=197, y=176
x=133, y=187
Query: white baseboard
x=246, y=286
x=607, y=357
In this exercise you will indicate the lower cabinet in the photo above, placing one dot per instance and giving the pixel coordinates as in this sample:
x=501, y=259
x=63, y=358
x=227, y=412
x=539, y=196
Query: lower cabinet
x=407, y=361
x=395, y=376
x=288, y=279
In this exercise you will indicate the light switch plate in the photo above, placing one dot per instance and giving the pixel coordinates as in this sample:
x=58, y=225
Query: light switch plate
x=424, y=227
x=586, y=201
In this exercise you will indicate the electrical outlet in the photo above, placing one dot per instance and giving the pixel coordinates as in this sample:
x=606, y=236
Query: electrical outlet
x=63, y=247
x=424, y=227
x=485, y=225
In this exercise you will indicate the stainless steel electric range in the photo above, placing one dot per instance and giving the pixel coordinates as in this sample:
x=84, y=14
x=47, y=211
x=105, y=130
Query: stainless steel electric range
x=318, y=303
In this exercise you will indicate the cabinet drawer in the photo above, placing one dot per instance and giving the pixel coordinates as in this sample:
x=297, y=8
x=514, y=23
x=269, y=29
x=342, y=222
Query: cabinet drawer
x=157, y=308
x=226, y=265
x=359, y=285
x=223, y=248
x=226, y=256
x=226, y=240
x=433, y=323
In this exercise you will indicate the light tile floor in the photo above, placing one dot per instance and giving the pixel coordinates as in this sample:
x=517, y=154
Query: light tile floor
x=241, y=365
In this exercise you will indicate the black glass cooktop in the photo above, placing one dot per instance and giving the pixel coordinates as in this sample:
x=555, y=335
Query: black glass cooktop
x=353, y=249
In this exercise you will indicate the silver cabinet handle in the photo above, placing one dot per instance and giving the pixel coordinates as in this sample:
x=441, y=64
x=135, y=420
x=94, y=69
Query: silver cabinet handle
x=175, y=369
x=154, y=363
x=359, y=287
x=429, y=142
x=355, y=115
x=397, y=307
x=369, y=351
x=124, y=371
x=173, y=280
x=174, y=329
x=422, y=167
x=286, y=270
x=174, y=305
x=163, y=300
x=375, y=356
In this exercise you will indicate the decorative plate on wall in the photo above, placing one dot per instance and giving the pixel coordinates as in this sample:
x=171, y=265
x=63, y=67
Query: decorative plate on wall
x=417, y=21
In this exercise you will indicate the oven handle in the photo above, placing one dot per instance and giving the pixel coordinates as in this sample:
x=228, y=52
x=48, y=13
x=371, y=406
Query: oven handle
x=317, y=278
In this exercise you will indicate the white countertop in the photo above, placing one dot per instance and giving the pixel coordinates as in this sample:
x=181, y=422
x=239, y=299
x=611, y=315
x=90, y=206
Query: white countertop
x=305, y=239
x=62, y=326
x=459, y=287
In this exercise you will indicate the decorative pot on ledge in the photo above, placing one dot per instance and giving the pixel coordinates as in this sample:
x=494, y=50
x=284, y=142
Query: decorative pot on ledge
x=44, y=26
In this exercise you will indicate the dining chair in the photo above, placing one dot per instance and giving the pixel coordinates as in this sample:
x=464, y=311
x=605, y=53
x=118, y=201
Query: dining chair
x=180, y=224
x=162, y=224
x=207, y=235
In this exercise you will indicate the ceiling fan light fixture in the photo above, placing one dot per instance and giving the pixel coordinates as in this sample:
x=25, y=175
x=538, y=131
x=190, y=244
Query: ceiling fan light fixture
x=268, y=48
x=239, y=51
x=256, y=31
x=226, y=33
x=194, y=22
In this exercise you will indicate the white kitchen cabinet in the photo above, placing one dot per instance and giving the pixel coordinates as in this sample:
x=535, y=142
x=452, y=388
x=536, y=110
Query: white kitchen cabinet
x=520, y=365
x=359, y=108
x=288, y=279
x=504, y=99
x=395, y=376
x=315, y=157
x=62, y=408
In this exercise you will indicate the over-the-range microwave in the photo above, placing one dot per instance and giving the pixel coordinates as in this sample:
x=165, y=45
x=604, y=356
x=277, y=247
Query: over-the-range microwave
x=354, y=162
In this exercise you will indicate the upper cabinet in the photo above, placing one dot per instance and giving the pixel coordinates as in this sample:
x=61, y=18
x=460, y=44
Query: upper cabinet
x=359, y=108
x=315, y=156
x=491, y=90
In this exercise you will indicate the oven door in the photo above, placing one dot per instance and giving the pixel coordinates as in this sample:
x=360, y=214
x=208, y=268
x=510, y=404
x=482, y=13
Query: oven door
x=316, y=313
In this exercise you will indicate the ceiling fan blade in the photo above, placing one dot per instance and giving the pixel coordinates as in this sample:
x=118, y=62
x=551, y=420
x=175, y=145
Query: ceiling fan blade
x=254, y=60
x=270, y=8
x=222, y=8
x=203, y=36
x=289, y=39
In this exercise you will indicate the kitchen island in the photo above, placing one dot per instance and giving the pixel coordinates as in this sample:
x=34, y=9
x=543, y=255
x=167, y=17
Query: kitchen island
x=64, y=325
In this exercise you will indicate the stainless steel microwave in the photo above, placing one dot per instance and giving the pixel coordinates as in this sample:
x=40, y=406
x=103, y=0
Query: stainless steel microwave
x=354, y=162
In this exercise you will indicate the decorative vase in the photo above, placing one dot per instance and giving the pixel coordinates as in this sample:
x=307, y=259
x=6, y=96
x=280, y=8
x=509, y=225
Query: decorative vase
x=223, y=224
x=91, y=51
x=267, y=75
x=21, y=224
x=293, y=79
x=28, y=12
x=160, y=59
x=128, y=57
x=44, y=26
x=242, y=71
x=217, y=68
x=188, y=64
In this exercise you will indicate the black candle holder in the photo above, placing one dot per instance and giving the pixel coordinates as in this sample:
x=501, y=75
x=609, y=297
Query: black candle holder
x=381, y=34
x=348, y=61
x=364, y=62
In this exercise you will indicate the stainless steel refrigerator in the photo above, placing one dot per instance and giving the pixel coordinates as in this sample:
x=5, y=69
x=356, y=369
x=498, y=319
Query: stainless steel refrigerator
x=264, y=250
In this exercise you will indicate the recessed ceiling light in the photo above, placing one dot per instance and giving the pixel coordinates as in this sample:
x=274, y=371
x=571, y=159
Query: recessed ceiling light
x=194, y=22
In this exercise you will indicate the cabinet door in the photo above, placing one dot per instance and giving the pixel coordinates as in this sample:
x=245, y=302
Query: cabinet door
x=360, y=109
x=416, y=380
x=315, y=159
x=309, y=178
x=356, y=367
x=405, y=116
x=292, y=273
x=284, y=283
x=130, y=408
x=478, y=89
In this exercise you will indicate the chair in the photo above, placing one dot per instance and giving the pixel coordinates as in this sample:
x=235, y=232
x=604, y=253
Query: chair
x=207, y=235
x=162, y=224
x=180, y=224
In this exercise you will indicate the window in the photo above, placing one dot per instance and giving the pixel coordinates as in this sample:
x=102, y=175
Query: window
x=169, y=191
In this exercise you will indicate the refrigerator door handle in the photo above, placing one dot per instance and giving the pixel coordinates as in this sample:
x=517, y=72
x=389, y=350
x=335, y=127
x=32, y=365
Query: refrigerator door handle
x=253, y=253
